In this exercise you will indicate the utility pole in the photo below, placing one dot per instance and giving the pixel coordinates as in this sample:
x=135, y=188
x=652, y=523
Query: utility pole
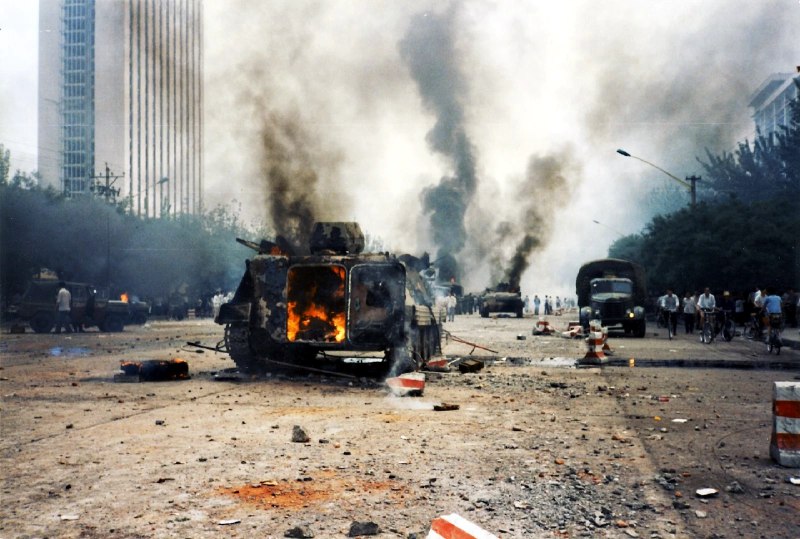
x=693, y=188
x=110, y=193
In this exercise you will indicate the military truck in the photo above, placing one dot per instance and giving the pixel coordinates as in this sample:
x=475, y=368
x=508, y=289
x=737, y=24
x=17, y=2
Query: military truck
x=501, y=299
x=613, y=291
x=331, y=300
x=90, y=307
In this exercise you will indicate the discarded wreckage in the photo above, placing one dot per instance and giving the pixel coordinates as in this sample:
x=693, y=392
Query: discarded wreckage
x=332, y=300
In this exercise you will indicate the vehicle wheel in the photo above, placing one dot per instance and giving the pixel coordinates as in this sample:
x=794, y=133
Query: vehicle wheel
x=641, y=329
x=42, y=322
x=237, y=341
x=519, y=312
x=113, y=324
x=484, y=313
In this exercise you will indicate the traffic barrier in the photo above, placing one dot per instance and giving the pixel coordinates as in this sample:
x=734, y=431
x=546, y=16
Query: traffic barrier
x=407, y=385
x=542, y=328
x=594, y=341
x=606, y=348
x=784, y=445
x=456, y=527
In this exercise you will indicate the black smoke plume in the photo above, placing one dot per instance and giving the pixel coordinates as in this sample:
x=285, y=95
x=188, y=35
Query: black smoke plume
x=546, y=187
x=428, y=49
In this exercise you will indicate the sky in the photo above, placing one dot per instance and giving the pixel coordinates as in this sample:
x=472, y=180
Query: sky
x=351, y=95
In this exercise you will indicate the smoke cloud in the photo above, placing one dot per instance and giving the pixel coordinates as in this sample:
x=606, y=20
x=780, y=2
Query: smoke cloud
x=394, y=104
x=428, y=49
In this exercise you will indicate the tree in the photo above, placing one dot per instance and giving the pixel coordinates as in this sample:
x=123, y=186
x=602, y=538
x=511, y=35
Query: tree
x=5, y=164
x=767, y=169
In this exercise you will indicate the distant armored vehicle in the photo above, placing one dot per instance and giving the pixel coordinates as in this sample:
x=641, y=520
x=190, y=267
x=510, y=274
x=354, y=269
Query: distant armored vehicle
x=333, y=299
x=613, y=291
x=501, y=299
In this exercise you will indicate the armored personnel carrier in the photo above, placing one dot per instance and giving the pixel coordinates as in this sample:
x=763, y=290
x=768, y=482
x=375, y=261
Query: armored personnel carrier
x=332, y=300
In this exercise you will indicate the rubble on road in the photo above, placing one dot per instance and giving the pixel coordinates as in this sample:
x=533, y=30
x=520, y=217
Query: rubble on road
x=153, y=370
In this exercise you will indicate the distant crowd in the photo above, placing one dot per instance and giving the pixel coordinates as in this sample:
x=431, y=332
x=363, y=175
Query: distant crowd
x=758, y=305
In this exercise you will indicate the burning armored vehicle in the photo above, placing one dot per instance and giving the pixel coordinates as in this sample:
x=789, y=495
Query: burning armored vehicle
x=502, y=299
x=332, y=300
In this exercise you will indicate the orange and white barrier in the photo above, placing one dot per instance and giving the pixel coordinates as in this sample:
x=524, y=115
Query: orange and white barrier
x=456, y=527
x=542, y=328
x=784, y=446
x=405, y=385
x=606, y=348
x=594, y=341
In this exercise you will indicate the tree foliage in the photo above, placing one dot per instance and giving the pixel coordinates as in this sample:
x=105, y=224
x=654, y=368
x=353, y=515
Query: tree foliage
x=767, y=169
x=85, y=239
x=748, y=238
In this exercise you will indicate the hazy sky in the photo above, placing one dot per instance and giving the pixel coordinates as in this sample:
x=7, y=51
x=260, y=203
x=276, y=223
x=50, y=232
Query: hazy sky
x=562, y=84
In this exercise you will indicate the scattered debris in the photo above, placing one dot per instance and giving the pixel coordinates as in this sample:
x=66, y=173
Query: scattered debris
x=735, y=488
x=153, y=370
x=299, y=532
x=542, y=327
x=793, y=480
x=411, y=384
x=363, y=528
x=69, y=517
x=679, y=420
x=706, y=492
x=229, y=522
x=444, y=407
x=700, y=514
x=470, y=365
x=299, y=435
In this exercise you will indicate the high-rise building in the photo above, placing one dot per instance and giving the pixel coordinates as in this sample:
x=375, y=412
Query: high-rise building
x=120, y=101
x=770, y=102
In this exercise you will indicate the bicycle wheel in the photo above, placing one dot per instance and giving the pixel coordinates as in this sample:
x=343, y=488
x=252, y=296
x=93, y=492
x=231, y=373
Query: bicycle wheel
x=728, y=330
x=708, y=333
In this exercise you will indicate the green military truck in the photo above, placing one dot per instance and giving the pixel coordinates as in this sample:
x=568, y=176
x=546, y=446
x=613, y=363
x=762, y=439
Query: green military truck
x=613, y=291
x=89, y=307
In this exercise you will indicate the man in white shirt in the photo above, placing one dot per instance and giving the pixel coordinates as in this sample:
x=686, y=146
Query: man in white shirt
x=705, y=302
x=63, y=300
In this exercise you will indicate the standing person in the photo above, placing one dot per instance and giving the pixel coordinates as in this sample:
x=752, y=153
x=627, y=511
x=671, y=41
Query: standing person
x=670, y=305
x=63, y=301
x=451, y=307
x=705, y=301
x=689, y=310
x=558, y=304
x=527, y=304
x=536, y=303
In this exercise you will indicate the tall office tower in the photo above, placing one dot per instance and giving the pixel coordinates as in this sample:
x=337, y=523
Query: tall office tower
x=120, y=101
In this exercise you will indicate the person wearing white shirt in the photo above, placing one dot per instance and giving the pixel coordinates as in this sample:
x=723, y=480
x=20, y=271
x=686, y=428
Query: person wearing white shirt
x=705, y=302
x=689, y=312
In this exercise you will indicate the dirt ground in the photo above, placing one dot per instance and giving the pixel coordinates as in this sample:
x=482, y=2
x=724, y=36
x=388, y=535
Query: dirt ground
x=536, y=448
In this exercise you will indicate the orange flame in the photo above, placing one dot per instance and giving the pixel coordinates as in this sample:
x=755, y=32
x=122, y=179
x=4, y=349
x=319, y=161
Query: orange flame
x=321, y=322
x=124, y=297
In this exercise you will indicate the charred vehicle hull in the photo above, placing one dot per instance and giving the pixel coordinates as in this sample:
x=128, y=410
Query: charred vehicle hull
x=291, y=308
x=501, y=302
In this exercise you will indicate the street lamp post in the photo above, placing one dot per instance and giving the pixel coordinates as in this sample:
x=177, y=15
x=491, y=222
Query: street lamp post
x=690, y=183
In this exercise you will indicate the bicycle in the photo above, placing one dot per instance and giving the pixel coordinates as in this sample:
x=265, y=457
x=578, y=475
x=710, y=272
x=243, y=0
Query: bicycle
x=670, y=321
x=727, y=326
x=774, y=341
x=708, y=333
x=752, y=328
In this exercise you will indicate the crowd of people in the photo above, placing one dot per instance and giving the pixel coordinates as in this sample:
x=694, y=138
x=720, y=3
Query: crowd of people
x=763, y=305
x=547, y=306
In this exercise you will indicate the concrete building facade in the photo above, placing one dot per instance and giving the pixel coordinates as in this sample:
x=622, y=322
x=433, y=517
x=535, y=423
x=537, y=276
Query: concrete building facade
x=770, y=102
x=120, y=101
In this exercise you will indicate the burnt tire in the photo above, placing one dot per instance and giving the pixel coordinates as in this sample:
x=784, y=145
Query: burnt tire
x=42, y=322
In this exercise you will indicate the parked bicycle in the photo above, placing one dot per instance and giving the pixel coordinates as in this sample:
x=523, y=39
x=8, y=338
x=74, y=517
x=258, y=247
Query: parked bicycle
x=671, y=321
x=774, y=341
x=708, y=331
